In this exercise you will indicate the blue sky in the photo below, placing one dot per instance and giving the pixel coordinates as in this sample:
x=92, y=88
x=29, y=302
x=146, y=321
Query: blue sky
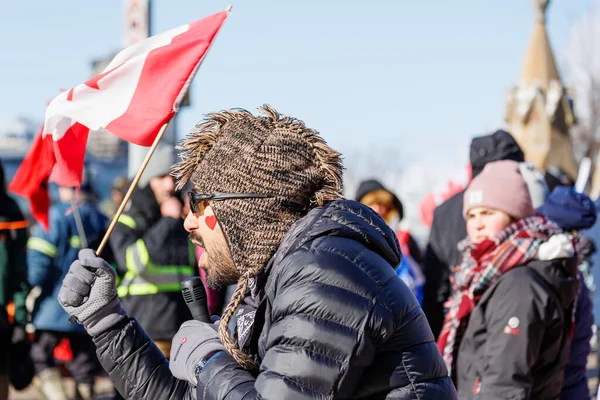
x=413, y=77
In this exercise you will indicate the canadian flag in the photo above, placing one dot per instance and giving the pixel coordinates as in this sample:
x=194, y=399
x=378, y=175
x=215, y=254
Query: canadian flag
x=135, y=95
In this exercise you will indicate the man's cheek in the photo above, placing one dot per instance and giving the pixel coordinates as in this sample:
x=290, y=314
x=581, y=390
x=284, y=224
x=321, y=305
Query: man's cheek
x=211, y=222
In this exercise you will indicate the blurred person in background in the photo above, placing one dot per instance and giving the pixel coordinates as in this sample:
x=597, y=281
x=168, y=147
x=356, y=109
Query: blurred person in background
x=449, y=227
x=506, y=334
x=555, y=176
x=536, y=184
x=49, y=255
x=574, y=212
x=14, y=286
x=110, y=205
x=385, y=203
x=152, y=252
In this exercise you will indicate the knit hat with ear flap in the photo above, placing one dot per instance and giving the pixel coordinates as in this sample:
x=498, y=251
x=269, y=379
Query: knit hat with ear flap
x=235, y=152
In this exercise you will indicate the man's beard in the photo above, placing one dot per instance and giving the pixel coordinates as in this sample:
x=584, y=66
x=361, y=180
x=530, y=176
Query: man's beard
x=220, y=269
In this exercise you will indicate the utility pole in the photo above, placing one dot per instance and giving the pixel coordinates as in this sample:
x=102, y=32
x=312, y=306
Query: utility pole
x=138, y=27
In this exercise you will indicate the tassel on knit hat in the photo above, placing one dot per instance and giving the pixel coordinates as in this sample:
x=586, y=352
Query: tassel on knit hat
x=236, y=152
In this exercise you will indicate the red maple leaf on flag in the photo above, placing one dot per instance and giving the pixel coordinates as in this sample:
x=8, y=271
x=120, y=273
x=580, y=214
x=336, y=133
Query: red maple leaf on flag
x=92, y=83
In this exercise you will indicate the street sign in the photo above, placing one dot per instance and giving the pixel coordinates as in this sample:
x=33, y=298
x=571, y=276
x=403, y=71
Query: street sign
x=137, y=21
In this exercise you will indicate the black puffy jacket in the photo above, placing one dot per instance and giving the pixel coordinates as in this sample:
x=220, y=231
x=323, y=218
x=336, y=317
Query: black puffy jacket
x=448, y=228
x=335, y=322
x=516, y=344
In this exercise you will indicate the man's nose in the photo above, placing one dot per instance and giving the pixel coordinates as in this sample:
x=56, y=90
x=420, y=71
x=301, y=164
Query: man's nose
x=191, y=222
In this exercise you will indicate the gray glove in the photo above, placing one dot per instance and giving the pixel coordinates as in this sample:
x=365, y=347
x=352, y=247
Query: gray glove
x=193, y=342
x=89, y=293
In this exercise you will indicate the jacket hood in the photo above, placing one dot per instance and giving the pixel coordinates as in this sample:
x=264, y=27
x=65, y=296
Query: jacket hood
x=569, y=209
x=371, y=185
x=344, y=219
x=498, y=146
x=556, y=261
x=561, y=274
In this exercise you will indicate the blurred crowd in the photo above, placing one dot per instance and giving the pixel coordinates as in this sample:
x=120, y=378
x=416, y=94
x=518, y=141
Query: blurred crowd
x=495, y=321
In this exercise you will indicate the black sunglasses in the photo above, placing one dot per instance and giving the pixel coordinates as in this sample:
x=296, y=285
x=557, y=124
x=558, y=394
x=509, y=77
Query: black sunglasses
x=197, y=199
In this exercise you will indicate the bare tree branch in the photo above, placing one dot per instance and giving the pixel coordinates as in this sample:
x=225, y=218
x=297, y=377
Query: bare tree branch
x=583, y=76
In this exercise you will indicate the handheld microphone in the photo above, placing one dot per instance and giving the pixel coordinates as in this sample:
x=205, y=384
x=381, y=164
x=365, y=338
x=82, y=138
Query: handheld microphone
x=194, y=295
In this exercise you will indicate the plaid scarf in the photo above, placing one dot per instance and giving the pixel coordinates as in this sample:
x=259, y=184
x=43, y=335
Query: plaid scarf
x=482, y=265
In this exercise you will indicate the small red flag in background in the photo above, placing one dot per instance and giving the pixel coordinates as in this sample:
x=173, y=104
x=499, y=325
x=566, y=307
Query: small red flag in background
x=434, y=199
x=31, y=179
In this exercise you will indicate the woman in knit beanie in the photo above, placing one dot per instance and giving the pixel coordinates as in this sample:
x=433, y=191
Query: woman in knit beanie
x=506, y=329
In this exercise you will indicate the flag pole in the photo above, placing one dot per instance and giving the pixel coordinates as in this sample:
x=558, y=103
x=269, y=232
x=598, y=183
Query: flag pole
x=132, y=186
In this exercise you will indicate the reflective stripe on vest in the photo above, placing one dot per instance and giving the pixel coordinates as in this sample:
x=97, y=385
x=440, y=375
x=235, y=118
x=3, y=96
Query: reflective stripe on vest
x=127, y=221
x=140, y=287
x=10, y=225
x=75, y=242
x=143, y=277
x=43, y=246
x=137, y=258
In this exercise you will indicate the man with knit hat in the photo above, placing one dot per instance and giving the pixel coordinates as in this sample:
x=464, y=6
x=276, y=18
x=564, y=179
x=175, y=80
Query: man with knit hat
x=448, y=227
x=318, y=312
x=509, y=320
x=152, y=253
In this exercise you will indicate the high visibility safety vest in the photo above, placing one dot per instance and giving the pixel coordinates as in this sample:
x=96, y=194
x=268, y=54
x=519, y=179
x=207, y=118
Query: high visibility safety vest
x=43, y=246
x=49, y=249
x=144, y=277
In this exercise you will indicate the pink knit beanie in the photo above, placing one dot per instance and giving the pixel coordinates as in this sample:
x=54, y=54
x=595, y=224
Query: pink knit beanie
x=500, y=186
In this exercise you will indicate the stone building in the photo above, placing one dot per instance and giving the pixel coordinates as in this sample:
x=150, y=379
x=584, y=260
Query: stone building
x=538, y=111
